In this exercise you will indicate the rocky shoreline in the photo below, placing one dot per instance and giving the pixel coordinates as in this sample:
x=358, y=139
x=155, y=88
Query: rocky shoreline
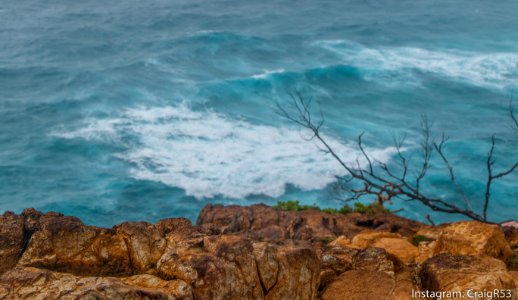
x=253, y=252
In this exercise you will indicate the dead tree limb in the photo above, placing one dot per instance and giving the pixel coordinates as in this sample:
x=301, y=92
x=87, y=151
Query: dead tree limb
x=379, y=180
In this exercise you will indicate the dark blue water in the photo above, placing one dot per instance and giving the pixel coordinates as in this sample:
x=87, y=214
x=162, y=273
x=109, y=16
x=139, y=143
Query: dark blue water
x=140, y=110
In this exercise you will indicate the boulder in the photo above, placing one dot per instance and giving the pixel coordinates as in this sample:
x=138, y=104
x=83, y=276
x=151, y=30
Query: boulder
x=233, y=267
x=65, y=244
x=333, y=262
x=376, y=259
x=393, y=243
x=33, y=283
x=272, y=224
x=365, y=285
x=13, y=239
x=473, y=238
x=459, y=273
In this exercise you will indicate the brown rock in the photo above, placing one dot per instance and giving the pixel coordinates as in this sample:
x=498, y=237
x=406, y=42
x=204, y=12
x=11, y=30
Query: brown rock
x=367, y=285
x=473, y=238
x=514, y=275
x=298, y=274
x=333, y=262
x=65, y=244
x=269, y=223
x=376, y=259
x=399, y=247
x=393, y=243
x=12, y=240
x=267, y=264
x=426, y=251
x=367, y=238
x=233, y=267
x=448, y=272
x=145, y=245
x=32, y=283
x=431, y=232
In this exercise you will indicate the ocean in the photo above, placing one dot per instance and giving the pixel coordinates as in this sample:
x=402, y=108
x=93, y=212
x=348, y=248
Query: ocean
x=141, y=110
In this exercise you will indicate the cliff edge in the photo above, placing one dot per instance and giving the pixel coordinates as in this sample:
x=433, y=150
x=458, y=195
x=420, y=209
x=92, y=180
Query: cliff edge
x=254, y=252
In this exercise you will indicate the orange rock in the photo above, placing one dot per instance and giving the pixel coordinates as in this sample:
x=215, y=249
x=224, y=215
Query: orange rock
x=393, y=243
x=473, y=238
x=376, y=259
x=366, y=285
x=12, y=240
x=460, y=273
x=65, y=244
x=268, y=223
x=33, y=283
x=514, y=275
x=426, y=251
x=399, y=247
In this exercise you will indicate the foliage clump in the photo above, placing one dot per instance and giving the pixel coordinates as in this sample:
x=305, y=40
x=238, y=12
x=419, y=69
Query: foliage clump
x=416, y=239
x=512, y=262
x=293, y=205
x=373, y=208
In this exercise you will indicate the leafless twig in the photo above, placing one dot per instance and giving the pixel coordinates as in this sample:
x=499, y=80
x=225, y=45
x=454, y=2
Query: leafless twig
x=379, y=180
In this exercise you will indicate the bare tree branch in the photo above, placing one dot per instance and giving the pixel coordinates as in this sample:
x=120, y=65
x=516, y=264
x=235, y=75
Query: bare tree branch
x=377, y=179
x=513, y=117
x=439, y=148
x=490, y=177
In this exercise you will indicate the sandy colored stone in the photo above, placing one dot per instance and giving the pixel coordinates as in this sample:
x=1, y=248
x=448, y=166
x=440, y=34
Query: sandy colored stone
x=399, y=247
x=376, y=259
x=65, y=244
x=341, y=241
x=366, y=239
x=145, y=244
x=514, y=275
x=431, y=232
x=426, y=250
x=473, y=238
x=33, y=283
x=448, y=272
x=298, y=276
x=393, y=243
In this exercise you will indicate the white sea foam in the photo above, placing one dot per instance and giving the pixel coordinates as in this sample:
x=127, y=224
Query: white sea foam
x=493, y=70
x=267, y=73
x=208, y=154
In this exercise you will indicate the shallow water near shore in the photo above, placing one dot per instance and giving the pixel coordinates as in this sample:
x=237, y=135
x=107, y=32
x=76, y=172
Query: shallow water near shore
x=141, y=111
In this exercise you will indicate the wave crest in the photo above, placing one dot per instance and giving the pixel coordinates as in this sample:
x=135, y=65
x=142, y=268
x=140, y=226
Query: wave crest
x=209, y=154
x=490, y=70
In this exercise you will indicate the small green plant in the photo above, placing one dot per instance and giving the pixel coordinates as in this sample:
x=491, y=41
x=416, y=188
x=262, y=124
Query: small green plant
x=360, y=208
x=331, y=211
x=371, y=209
x=326, y=239
x=293, y=205
x=345, y=209
x=342, y=210
x=512, y=262
x=416, y=239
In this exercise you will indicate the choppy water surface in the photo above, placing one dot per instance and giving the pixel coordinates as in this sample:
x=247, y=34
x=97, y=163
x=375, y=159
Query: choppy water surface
x=140, y=110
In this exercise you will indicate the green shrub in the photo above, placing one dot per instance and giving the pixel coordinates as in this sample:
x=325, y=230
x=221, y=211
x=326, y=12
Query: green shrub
x=360, y=208
x=331, y=211
x=294, y=205
x=416, y=239
x=326, y=239
x=345, y=209
x=512, y=262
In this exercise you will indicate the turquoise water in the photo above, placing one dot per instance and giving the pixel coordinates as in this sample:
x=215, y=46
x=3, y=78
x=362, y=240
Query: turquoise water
x=141, y=110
